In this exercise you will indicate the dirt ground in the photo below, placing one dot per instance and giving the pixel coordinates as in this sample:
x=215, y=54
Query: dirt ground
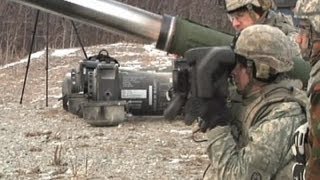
x=39, y=142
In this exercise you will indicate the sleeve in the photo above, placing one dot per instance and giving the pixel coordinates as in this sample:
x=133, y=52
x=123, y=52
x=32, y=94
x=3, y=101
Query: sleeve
x=314, y=85
x=315, y=94
x=268, y=147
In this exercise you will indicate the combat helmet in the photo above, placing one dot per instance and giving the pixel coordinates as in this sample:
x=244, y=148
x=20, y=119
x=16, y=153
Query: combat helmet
x=269, y=49
x=232, y=5
x=309, y=9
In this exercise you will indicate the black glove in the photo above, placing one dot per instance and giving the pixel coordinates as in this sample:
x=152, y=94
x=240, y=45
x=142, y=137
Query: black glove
x=194, y=108
x=217, y=114
x=175, y=107
x=210, y=112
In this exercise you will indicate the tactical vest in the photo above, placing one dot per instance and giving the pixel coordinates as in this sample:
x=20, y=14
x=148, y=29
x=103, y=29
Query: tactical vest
x=285, y=91
x=282, y=22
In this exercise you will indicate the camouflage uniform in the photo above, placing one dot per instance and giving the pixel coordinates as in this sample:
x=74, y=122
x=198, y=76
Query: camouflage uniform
x=261, y=149
x=280, y=21
x=310, y=11
x=270, y=17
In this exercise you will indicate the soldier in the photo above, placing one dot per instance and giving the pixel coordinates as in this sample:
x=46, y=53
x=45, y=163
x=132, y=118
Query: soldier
x=308, y=12
x=244, y=13
x=273, y=108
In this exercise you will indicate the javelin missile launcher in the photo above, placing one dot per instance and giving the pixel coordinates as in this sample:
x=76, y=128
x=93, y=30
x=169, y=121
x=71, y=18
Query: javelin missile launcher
x=171, y=34
x=104, y=94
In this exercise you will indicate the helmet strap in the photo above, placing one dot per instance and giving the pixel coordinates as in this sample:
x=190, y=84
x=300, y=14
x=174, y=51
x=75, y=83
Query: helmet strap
x=313, y=37
x=262, y=18
x=253, y=14
x=250, y=70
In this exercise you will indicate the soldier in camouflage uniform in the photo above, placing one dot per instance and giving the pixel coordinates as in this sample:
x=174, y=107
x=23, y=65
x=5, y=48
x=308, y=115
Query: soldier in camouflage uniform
x=273, y=108
x=244, y=13
x=308, y=12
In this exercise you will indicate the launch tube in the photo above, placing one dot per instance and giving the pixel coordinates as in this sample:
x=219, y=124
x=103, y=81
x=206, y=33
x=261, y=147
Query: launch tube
x=171, y=34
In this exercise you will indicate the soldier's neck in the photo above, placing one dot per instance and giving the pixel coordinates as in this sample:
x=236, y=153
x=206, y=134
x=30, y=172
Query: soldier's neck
x=252, y=93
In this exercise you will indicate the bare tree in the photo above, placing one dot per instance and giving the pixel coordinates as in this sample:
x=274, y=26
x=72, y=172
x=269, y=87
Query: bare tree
x=16, y=25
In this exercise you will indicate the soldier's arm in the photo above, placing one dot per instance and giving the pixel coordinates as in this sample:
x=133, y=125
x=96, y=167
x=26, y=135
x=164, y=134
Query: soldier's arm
x=268, y=147
x=315, y=101
x=314, y=93
x=314, y=136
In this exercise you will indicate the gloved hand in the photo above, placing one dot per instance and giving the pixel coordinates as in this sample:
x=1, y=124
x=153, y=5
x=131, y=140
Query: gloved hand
x=194, y=108
x=217, y=114
x=175, y=107
x=210, y=112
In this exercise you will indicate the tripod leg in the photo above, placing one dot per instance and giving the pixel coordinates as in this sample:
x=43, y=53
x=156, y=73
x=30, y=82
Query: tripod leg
x=30, y=52
x=47, y=61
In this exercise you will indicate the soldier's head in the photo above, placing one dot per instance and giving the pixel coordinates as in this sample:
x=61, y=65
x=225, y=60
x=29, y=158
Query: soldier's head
x=244, y=13
x=308, y=13
x=262, y=53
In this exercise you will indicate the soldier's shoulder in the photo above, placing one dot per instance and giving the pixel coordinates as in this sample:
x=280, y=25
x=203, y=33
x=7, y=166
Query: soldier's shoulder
x=282, y=21
x=314, y=77
x=285, y=109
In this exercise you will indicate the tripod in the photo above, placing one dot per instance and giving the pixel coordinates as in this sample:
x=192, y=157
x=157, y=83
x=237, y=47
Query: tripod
x=47, y=53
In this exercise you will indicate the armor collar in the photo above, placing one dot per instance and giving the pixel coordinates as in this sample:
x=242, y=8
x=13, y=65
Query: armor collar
x=270, y=88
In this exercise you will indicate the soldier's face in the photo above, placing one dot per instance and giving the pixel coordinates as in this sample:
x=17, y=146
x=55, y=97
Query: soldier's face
x=308, y=40
x=241, y=77
x=242, y=19
x=303, y=39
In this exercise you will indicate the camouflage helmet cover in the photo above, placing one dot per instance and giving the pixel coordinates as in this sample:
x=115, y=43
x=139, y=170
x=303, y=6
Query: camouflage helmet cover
x=309, y=9
x=267, y=46
x=232, y=5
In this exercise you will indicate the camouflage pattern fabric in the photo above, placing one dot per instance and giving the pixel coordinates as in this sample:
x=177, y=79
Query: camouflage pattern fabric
x=259, y=148
x=266, y=46
x=232, y=5
x=313, y=163
x=285, y=24
x=309, y=9
x=266, y=152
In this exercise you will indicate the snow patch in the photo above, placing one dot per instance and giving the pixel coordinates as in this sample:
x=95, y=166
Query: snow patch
x=153, y=51
x=64, y=52
x=183, y=132
x=35, y=55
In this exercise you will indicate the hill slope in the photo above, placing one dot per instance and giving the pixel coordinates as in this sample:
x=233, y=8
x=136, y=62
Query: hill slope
x=39, y=142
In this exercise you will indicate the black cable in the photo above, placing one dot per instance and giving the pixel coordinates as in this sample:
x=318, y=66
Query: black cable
x=197, y=140
x=206, y=170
